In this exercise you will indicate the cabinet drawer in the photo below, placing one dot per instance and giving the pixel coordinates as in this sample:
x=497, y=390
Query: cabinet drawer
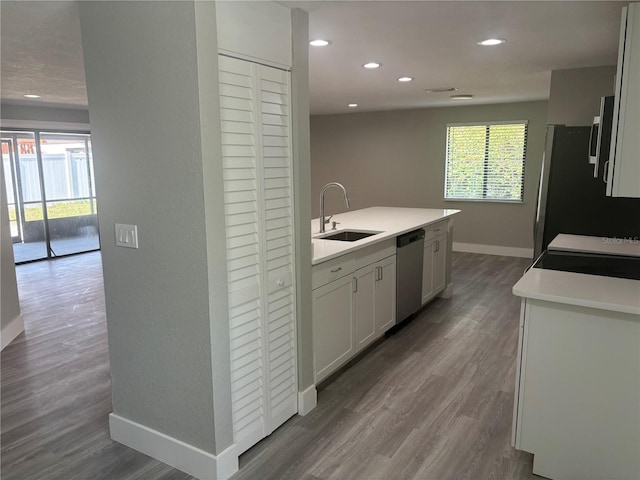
x=374, y=253
x=432, y=231
x=331, y=270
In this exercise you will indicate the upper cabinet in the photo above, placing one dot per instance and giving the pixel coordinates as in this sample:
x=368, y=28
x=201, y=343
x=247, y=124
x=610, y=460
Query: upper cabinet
x=255, y=31
x=623, y=174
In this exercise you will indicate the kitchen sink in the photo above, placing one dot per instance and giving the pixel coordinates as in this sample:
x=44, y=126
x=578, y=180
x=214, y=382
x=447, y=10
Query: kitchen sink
x=347, y=236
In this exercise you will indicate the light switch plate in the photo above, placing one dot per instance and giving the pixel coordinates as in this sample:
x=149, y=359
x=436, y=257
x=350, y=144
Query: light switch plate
x=126, y=235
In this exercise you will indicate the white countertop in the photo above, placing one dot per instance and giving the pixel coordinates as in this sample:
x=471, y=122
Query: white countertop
x=391, y=221
x=594, y=291
x=583, y=243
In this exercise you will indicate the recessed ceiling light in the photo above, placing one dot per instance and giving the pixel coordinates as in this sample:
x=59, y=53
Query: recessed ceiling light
x=371, y=65
x=405, y=79
x=352, y=105
x=461, y=97
x=319, y=43
x=489, y=42
x=441, y=90
x=31, y=95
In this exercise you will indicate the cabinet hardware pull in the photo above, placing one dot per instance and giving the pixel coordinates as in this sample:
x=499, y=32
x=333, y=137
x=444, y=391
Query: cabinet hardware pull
x=336, y=270
x=437, y=230
x=354, y=284
x=380, y=272
x=437, y=246
x=605, y=172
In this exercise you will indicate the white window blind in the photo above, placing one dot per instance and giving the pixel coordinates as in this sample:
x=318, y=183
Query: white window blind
x=486, y=161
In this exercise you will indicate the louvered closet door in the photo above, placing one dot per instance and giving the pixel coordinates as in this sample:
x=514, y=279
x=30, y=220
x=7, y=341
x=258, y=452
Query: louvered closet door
x=278, y=218
x=258, y=211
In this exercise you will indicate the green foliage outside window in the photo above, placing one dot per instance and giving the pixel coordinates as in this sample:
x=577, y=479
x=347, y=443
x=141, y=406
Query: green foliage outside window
x=64, y=209
x=486, y=162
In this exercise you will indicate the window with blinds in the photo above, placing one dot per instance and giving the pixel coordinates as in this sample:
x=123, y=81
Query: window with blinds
x=485, y=161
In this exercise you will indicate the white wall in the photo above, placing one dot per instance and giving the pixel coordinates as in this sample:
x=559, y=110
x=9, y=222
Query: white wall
x=151, y=77
x=398, y=158
x=10, y=318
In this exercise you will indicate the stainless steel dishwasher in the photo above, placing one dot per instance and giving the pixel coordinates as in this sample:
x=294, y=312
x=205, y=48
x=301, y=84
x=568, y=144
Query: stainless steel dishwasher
x=410, y=253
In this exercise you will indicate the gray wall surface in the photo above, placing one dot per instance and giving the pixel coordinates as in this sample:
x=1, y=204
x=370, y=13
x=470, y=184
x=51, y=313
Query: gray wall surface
x=42, y=114
x=10, y=303
x=397, y=158
x=574, y=97
x=150, y=152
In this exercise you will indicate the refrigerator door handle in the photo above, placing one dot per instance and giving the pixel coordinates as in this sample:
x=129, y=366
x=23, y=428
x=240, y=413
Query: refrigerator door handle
x=605, y=174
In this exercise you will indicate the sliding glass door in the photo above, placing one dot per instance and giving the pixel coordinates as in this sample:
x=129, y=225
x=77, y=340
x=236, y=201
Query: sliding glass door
x=69, y=191
x=51, y=193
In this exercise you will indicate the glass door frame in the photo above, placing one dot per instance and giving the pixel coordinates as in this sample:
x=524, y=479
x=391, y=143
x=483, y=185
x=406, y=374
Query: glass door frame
x=10, y=136
x=16, y=188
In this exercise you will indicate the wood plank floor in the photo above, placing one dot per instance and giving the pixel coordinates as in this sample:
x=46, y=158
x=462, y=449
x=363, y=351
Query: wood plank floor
x=433, y=401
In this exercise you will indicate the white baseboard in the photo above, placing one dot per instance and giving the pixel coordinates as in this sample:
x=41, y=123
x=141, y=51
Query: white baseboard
x=9, y=333
x=307, y=400
x=493, y=250
x=174, y=452
x=447, y=292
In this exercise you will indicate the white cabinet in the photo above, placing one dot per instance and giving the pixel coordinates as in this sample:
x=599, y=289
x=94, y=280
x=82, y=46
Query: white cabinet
x=577, y=397
x=623, y=173
x=385, y=295
x=374, y=303
x=364, y=306
x=439, y=263
x=353, y=304
x=332, y=306
x=256, y=155
x=434, y=269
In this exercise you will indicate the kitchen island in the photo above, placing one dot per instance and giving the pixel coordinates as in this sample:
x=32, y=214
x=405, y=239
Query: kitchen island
x=354, y=282
x=577, y=398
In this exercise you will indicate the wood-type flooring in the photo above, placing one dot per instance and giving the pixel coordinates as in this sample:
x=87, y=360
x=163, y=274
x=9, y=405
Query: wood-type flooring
x=433, y=401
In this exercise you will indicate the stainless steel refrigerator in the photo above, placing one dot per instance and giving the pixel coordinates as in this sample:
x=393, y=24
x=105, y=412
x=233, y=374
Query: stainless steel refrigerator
x=571, y=200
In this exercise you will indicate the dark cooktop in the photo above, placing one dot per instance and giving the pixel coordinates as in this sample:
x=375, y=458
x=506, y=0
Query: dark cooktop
x=590, y=263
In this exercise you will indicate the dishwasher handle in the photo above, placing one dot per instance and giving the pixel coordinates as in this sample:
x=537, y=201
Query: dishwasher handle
x=411, y=237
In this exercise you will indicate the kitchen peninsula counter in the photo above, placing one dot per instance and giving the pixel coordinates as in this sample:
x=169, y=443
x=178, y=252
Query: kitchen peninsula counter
x=593, y=291
x=390, y=221
x=577, y=395
x=361, y=289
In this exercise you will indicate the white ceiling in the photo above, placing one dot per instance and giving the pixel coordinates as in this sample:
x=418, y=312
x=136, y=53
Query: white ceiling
x=435, y=42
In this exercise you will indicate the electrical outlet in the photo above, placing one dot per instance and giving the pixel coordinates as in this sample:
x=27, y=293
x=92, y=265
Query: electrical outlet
x=126, y=235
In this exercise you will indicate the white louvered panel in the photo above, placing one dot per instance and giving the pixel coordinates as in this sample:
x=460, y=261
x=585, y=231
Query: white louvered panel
x=232, y=126
x=272, y=162
x=275, y=130
x=234, y=103
x=230, y=92
x=240, y=147
x=236, y=116
x=277, y=209
x=276, y=87
x=268, y=119
x=278, y=221
x=238, y=162
x=278, y=243
x=275, y=152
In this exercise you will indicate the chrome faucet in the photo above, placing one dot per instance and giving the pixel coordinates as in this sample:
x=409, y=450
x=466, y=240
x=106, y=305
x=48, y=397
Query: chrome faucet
x=323, y=222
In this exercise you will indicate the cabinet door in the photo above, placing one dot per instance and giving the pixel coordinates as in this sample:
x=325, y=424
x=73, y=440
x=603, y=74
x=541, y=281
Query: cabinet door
x=427, y=271
x=365, y=280
x=385, y=295
x=332, y=328
x=624, y=156
x=439, y=263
